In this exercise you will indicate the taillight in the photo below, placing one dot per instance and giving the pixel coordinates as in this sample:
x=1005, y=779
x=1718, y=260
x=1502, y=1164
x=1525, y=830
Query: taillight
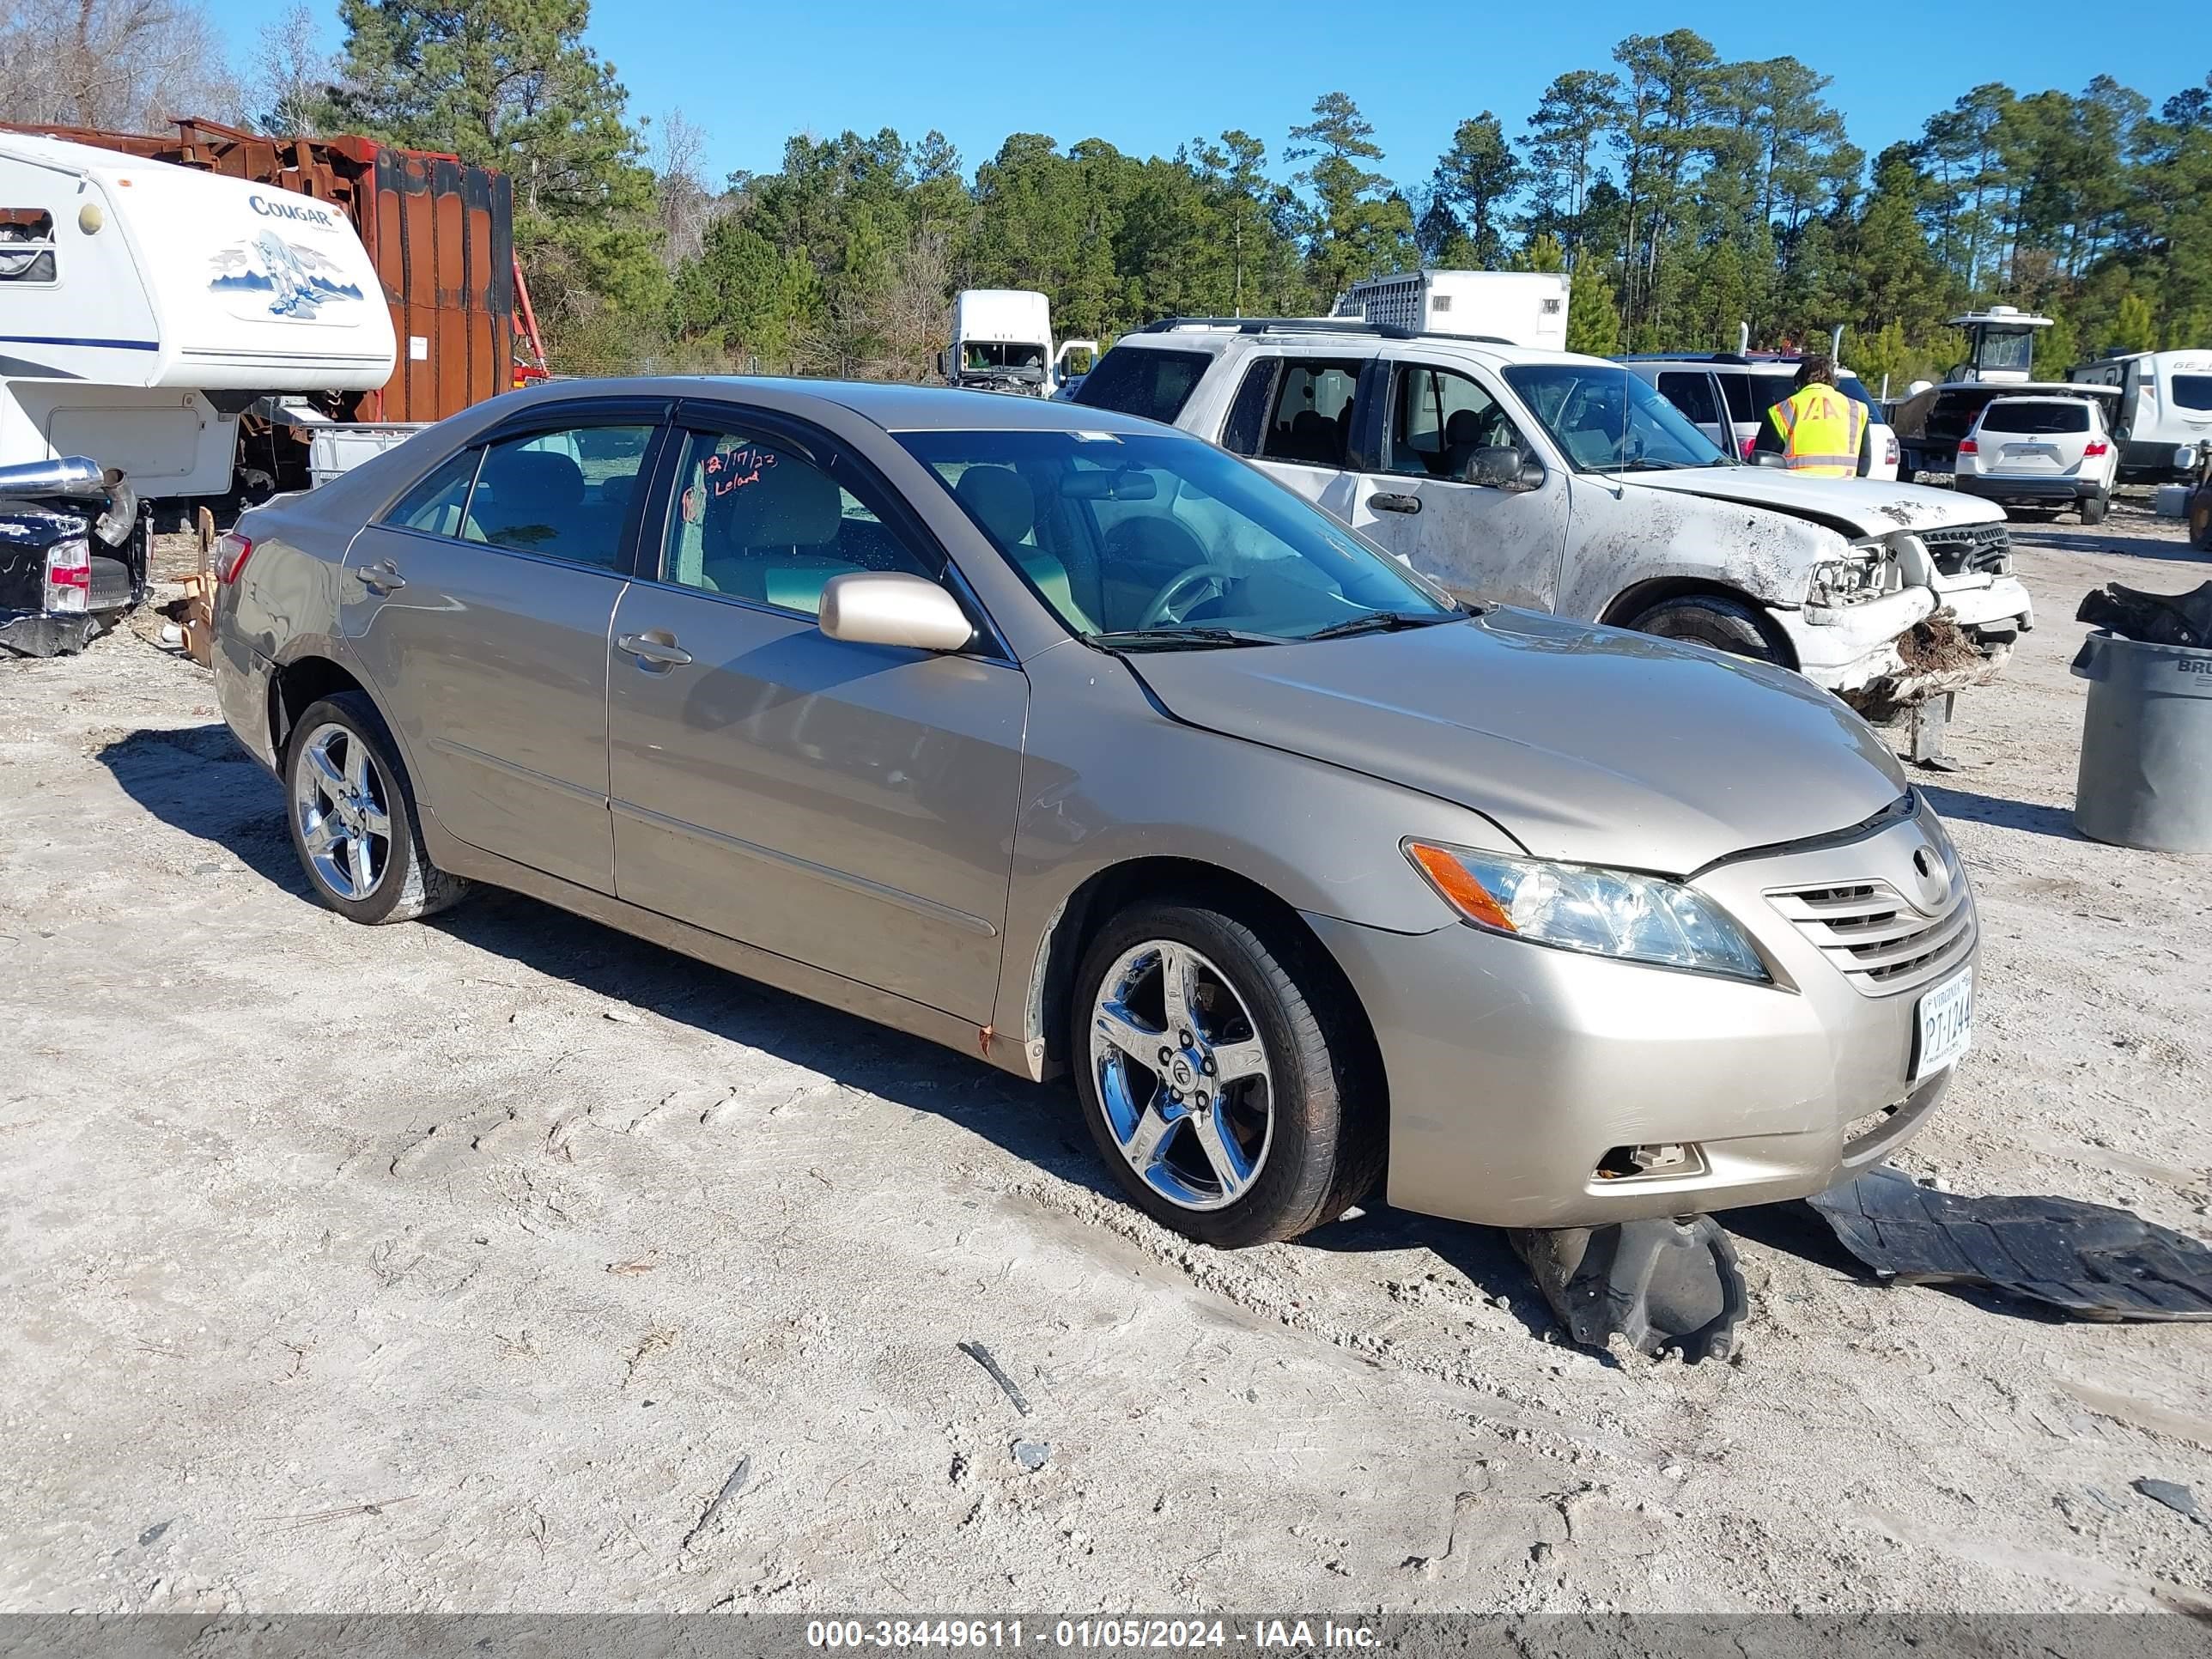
x=2090, y=451
x=1889, y=454
x=69, y=576
x=1749, y=445
x=230, y=556
x=1968, y=446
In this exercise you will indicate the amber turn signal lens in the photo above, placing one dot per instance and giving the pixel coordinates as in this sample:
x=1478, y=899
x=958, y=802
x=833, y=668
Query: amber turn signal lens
x=1453, y=881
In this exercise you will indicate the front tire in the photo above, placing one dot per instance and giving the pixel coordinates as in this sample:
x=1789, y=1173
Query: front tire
x=1724, y=623
x=353, y=817
x=1223, y=1081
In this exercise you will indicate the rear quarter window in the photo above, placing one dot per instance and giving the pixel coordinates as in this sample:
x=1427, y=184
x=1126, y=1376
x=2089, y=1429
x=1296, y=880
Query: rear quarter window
x=1139, y=380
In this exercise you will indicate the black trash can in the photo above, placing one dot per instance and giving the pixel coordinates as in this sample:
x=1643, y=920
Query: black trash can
x=2145, y=773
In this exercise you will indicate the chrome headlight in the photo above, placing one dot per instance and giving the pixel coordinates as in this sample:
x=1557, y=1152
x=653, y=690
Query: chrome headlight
x=1599, y=912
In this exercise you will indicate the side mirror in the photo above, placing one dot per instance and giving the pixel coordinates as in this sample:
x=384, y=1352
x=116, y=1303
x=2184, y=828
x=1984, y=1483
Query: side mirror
x=1769, y=457
x=1505, y=467
x=889, y=607
x=944, y=364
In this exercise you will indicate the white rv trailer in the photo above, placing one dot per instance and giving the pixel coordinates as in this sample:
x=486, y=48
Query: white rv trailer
x=1521, y=308
x=2164, y=421
x=144, y=307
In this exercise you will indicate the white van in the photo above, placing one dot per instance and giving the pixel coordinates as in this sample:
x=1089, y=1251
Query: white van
x=144, y=307
x=1726, y=394
x=2165, y=407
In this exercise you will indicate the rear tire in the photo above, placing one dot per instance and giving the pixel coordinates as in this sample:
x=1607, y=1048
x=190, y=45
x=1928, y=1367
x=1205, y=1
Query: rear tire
x=2094, y=508
x=2200, y=520
x=352, y=814
x=1280, y=1081
x=1725, y=624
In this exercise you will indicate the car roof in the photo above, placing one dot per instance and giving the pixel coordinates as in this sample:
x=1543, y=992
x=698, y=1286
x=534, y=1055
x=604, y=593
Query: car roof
x=1216, y=334
x=893, y=407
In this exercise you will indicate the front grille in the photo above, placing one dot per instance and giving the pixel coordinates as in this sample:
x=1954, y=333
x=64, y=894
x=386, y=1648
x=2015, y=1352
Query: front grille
x=1970, y=549
x=1875, y=939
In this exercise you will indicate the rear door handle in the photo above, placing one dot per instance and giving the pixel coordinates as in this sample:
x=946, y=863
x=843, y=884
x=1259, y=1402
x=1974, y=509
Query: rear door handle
x=661, y=653
x=383, y=578
x=1394, y=503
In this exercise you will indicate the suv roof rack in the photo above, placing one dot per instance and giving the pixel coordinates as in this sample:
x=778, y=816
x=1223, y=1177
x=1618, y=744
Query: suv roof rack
x=1312, y=325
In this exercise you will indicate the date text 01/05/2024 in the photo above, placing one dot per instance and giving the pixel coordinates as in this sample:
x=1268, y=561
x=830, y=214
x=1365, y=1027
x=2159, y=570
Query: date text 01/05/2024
x=1272, y=1635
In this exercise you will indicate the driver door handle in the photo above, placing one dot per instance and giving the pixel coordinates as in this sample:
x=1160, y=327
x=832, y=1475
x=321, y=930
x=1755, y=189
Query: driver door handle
x=384, y=578
x=1394, y=503
x=654, y=652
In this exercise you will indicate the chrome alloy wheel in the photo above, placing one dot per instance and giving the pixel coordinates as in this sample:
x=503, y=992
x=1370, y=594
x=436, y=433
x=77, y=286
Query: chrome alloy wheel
x=341, y=802
x=1182, y=1075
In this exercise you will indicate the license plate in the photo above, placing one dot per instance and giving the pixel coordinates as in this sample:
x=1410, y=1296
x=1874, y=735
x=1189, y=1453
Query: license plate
x=1946, y=1019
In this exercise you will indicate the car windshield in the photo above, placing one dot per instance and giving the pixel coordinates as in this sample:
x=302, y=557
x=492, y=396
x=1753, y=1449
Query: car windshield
x=1608, y=421
x=1148, y=541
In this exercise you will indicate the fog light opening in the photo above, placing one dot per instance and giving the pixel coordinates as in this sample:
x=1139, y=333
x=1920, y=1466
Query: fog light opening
x=1669, y=1158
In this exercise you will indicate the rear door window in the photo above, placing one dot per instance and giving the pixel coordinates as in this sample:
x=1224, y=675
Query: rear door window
x=563, y=495
x=2036, y=419
x=1141, y=380
x=1311, y=422
x=1691, y=392
x=435, y=505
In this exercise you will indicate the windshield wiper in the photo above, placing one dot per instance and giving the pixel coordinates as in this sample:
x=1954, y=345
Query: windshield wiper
x=1378, y=622
x=1177, y=638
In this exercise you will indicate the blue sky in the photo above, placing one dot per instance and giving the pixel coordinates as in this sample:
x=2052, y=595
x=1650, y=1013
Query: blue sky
x=1145, y=75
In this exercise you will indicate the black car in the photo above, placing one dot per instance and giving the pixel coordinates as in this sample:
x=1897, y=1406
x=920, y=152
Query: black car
x=74, y=549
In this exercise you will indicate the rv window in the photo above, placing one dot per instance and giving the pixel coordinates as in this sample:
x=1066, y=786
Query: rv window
x=26, y=245
x=1311, y=421
x=563, y=494
x=2193, y=391
x=434, y=506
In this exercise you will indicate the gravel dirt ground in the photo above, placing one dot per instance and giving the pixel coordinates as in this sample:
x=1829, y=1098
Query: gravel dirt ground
x=460, y=1265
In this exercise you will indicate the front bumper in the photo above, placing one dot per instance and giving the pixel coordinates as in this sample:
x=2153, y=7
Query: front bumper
x=1908, y=647
x=1515, y=1070
x=2031, y=491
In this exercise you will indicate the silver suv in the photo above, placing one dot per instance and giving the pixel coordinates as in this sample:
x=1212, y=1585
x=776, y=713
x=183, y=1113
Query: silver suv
x=1564, y=483
x=1059, y=737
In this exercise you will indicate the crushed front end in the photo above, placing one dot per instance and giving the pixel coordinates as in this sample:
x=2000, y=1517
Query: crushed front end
x=1913, y=616
x=74, y=554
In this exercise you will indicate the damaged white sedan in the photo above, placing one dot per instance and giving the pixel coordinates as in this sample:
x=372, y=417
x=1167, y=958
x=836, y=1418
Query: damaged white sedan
x=1563, y=483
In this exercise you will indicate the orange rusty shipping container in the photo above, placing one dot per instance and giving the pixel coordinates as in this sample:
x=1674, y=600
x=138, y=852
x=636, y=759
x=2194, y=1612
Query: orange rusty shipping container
x=442, y=234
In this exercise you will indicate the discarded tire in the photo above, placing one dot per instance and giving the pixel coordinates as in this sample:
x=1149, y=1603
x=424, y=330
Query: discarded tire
x=2145, y=773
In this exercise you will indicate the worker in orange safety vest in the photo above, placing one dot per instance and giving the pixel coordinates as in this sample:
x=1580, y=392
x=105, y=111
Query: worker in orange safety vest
x=1817, y=430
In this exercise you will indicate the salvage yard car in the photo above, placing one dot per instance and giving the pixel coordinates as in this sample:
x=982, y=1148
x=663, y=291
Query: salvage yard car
x=1564, y=483
x=73, y=554
x=1054, y=734
x=2044, y=454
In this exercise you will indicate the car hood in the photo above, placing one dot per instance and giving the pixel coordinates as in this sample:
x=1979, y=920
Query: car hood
x=1857, y=507
x=1582, y=743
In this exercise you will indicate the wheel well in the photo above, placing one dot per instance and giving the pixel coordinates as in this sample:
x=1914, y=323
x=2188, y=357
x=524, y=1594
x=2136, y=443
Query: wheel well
x=297, y=686
x=1103, y=896
x=1635, y=601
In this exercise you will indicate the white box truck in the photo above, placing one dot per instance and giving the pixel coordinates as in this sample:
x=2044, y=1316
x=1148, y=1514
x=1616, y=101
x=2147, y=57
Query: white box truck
x=144, y=307
x=1002, y=342
x=1519, y=307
